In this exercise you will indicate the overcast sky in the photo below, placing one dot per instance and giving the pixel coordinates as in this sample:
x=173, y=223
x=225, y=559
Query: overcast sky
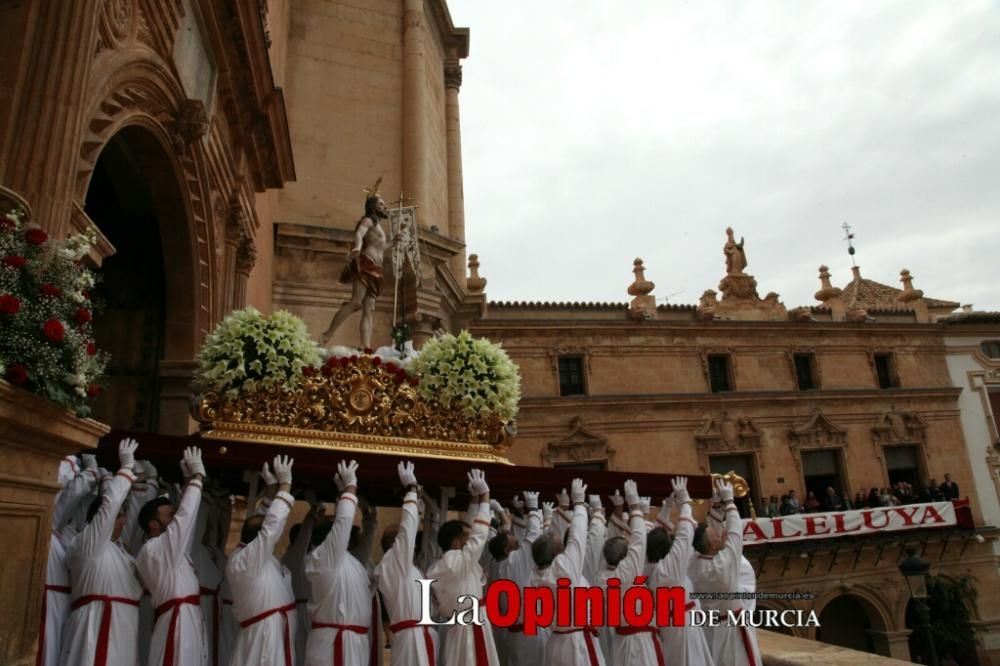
x=594, y=132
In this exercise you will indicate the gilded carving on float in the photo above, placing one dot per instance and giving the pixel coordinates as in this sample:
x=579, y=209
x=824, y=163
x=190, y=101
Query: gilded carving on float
x=353, y=406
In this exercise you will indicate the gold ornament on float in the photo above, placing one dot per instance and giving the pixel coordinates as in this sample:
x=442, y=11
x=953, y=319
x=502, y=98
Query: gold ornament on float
x=355, y=404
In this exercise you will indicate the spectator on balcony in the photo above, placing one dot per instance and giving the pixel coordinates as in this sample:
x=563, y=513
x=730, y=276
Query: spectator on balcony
x=794, y=501
x=786, y=508
x=874, y=499
x=935, y=491
x=861, y=499
x=812, y=504
x=832, y=501
x=949, y=489
x=771, y=507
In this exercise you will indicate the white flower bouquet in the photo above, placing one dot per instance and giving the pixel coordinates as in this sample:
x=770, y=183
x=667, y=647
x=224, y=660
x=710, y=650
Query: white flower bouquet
x=247, y=351
x=473, y=373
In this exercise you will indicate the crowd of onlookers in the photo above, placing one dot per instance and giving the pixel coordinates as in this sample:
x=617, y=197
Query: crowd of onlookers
x=867, y=498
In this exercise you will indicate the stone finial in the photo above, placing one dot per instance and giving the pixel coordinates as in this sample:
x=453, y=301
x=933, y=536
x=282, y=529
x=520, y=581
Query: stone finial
x=474, y=283
x=641, y=286
x=827, y=290
x=909, y=294
x=643, y=306
x=707, y=305
x=856, y=270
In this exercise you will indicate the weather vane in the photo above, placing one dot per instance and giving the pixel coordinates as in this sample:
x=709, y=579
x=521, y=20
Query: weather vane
x=850, y=246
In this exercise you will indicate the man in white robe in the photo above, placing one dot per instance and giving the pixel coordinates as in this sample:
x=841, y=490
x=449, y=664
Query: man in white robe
x=412, y=644
x=718, y=570
x=626, y=561
x=341, y=602
x=458, y=574
x=263, y=603
x=575, y=645
x=512, y=561
x=166, y=570
x=682, y=645
x=103, y=622
x=294, y=559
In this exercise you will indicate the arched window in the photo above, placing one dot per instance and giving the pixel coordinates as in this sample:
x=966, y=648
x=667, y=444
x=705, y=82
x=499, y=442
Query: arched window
x=991, y=348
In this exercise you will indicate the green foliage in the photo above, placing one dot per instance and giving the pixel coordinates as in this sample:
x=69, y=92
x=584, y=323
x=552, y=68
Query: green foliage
x=248, y=350
x=474, y=372
x=950, y=617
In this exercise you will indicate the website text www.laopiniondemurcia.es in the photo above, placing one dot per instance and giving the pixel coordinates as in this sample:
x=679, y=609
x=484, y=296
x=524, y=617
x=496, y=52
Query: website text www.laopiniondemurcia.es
x=535, y=608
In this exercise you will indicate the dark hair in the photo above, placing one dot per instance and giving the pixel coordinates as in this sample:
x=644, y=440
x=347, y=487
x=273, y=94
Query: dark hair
x=450, y=531
x=94, y=507
x=370, y=203
x=544, y=549
x=658, y=544
x=150, y=511
x=250, y=529
x=614, y=550
x=498, y=547
x=320, y=532
x=389, y=537
x=700, y=541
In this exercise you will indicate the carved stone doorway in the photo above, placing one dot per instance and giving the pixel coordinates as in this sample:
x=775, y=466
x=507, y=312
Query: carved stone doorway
x=136, y=202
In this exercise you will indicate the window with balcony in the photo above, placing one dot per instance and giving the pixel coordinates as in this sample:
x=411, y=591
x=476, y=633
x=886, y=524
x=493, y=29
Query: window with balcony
x=744, y=466
x=822, y=470
x=901, y=463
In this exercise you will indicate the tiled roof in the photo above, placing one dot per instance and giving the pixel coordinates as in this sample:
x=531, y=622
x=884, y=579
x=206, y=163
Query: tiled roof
x=873, y=295
x=581, y=305
x=972, y=318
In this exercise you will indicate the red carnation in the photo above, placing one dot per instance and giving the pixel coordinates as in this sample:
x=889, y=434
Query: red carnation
x=399, y=377
x=308, y=372
x=354, y=358
x=51, y=290
x=14, y=261
x=376, y=361
x=82, y=316
x=9, y=305
x=326, y=370
x=391, y=367
x=35, y=236
x=54, y=330
x=91, y=349
x=16, y=375
x=93, y=391
x=7, y=223
x=414, y=381
x=369, y=350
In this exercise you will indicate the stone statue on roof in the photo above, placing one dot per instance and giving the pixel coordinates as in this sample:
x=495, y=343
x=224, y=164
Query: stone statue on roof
x=736, y=258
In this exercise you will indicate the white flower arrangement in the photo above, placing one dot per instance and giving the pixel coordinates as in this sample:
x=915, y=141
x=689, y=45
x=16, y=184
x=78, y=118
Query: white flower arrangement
x=473, y=372
x=248, y=350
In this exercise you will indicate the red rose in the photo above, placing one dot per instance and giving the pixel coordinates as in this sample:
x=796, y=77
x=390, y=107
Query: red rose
x=91, y=349
x=14, y=261
x=36, y=236
x=414, y=381
x=54, y=330
x=326, y=370
x=354, y=358
x=85, y=294
x=82, y=316
x=376, y=361
x=93, y=391
x=391, y=367
x=369, y=351
x=51, y=290
x=308, y=372
x=9, y=305
x=16, y=375
x=399, y=377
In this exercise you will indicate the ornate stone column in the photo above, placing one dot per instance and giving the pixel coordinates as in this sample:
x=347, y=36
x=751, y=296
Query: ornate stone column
x=246, y=256
x=233, y=236
x=456, y=196
x=415, y=105
x=42, y=143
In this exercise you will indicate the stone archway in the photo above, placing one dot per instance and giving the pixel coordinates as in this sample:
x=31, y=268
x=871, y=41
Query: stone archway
x=137, y=201
x=859, y=620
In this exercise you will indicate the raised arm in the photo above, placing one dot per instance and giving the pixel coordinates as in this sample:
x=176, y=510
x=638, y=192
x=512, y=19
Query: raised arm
x=679, y=557
x=256, y=554
x=180, y=531
x=473, y=547
x=369, y=526
x=401, y=553
x=635, y=556
x=534, y=529
x=334, y=548
x=575, y=545
x=96, y=536
x=595, y=538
